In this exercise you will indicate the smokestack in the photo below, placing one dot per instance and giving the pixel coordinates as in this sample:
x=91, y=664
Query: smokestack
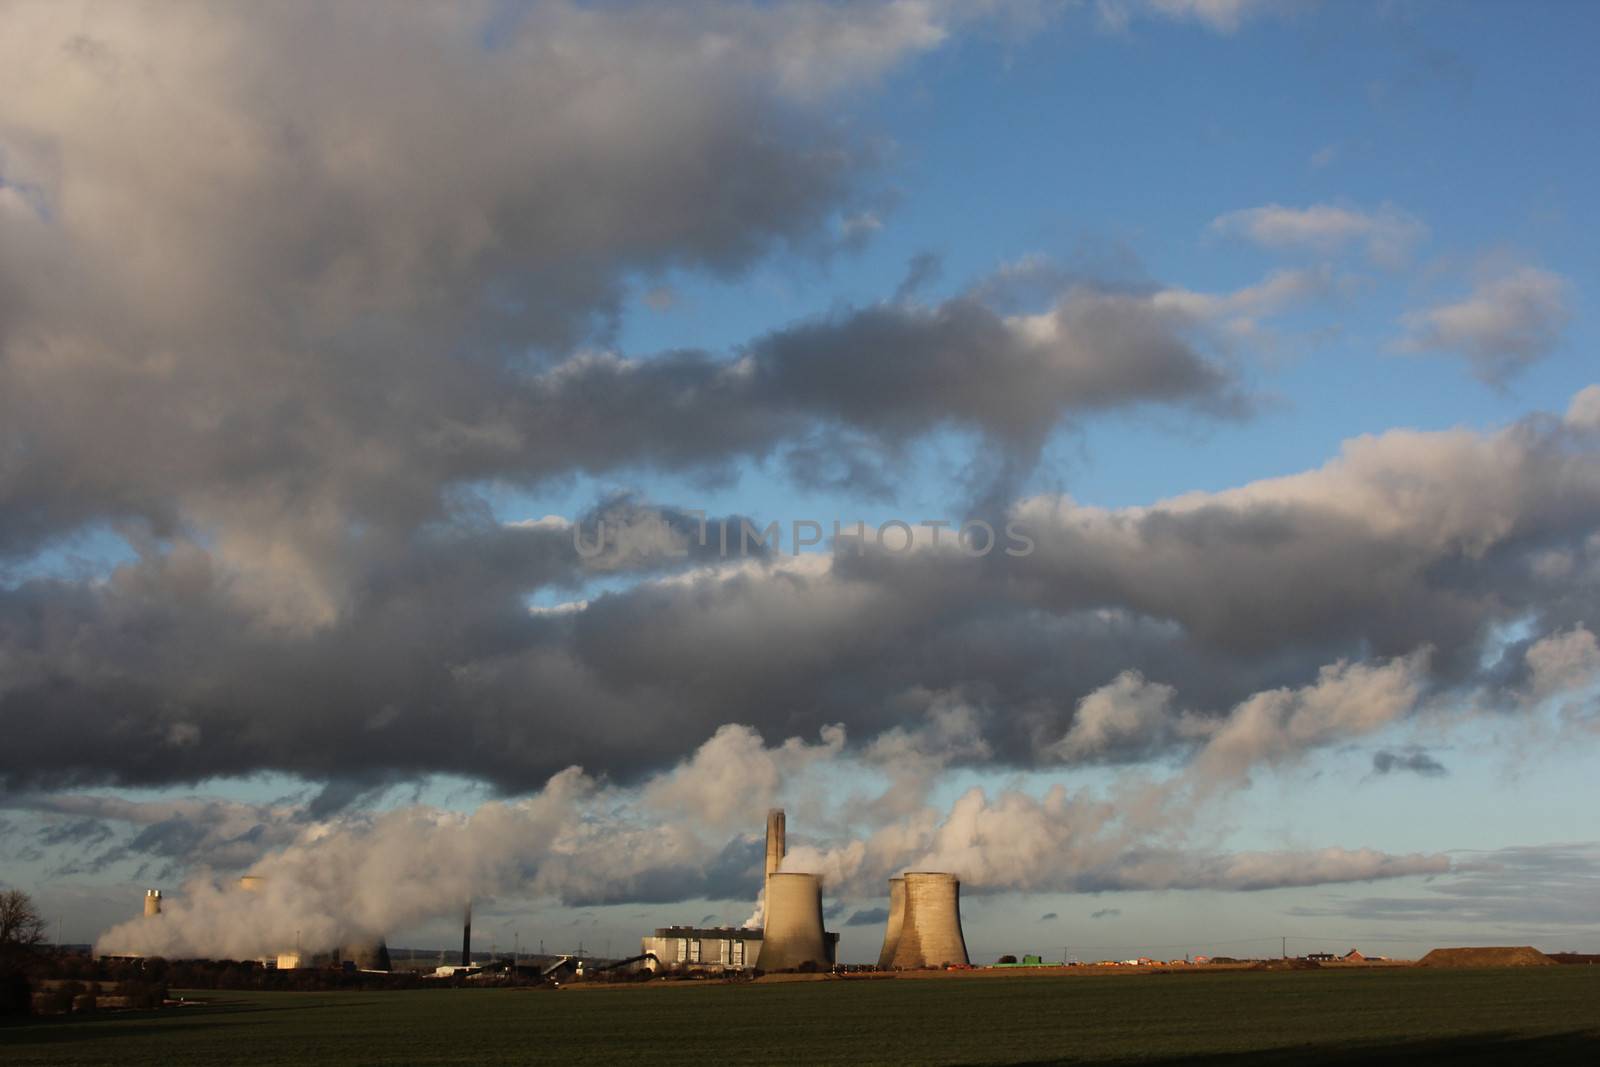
x=466, y=937
x=775, y=841
x=793, y=933
x=897, y=916
x=152, y=902
x=930, y=931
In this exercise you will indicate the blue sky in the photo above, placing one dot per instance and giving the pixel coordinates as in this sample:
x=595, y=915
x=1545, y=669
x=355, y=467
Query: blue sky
x=1016, y=162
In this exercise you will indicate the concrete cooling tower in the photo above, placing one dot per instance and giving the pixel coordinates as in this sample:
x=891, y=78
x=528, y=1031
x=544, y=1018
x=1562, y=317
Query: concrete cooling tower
x=793, y=933
x=897, y=915
x=152, y=902
x=930, y=928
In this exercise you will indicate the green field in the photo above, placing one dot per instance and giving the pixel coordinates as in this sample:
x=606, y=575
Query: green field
x=1541, y=1014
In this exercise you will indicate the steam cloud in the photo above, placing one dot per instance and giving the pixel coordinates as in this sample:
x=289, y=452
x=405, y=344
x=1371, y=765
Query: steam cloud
x=582, y=842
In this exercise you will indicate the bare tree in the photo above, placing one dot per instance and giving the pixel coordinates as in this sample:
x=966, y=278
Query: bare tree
x=21, y=925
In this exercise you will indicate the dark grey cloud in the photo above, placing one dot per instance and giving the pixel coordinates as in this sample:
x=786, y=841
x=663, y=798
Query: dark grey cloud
x=868, y=917
x=432, y=661
x=346, y=332
x=1106, y=913
x=282, y=359
x=1523, y=886
x=1415, y=761
x=1048, y=916
x=339, y=325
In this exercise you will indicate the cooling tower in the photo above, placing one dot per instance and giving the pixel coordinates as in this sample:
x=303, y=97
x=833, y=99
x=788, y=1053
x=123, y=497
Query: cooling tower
x=897, y=915
x=930, y=931
x=152, y=902
x=775, y=841
x=793, y=934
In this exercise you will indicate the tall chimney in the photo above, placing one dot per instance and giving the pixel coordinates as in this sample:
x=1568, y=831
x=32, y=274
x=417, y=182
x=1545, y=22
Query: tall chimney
x=466, y=937
x=775, y=841
x=152, y=902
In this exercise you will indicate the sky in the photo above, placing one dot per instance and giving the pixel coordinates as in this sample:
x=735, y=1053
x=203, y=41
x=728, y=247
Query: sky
x=1257, y=334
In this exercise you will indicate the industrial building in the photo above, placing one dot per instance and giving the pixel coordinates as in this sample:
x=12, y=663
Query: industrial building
x=717, y=948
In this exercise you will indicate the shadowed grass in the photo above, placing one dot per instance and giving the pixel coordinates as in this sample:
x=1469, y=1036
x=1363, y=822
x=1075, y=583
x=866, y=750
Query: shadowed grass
x=1545, y=1014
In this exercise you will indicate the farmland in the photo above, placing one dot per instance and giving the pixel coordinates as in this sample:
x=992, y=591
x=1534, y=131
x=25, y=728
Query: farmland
x=1330, y=1016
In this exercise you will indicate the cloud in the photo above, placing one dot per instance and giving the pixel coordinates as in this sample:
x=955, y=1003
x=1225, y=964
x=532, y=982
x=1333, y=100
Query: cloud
x=1505, y=325
x=246, y=269
x=1584, y=411
x=884, y=375
x=1127, y=712
x=1561, y=663
x=1222, y=16
x=1346, y=701
x=868, y=917
x=1550, y=886
x=1106, y=913
x=1388, y=234
x=1415, y=761
x=1285, y=592
x=585, y=842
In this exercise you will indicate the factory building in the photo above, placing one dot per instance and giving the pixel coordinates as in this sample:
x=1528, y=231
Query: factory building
x=717, y=948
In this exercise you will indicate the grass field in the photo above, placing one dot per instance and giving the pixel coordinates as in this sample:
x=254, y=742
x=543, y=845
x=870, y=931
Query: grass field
x=1545, y=1014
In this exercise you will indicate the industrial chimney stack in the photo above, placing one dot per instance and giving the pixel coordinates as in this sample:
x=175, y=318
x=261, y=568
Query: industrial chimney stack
x=152, y=902
x=930, y=927
x=775, y=841
x=466, y=937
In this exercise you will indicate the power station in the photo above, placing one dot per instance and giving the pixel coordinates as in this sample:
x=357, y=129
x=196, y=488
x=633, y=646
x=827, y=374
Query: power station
x=791, y=936
x=923, y=928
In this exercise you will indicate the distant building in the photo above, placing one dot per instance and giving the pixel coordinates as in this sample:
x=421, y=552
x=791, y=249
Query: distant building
x=730, y=948
x=1353, y=956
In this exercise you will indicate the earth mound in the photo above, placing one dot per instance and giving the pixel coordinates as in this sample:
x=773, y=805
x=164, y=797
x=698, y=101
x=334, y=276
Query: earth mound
x=1506, y=956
